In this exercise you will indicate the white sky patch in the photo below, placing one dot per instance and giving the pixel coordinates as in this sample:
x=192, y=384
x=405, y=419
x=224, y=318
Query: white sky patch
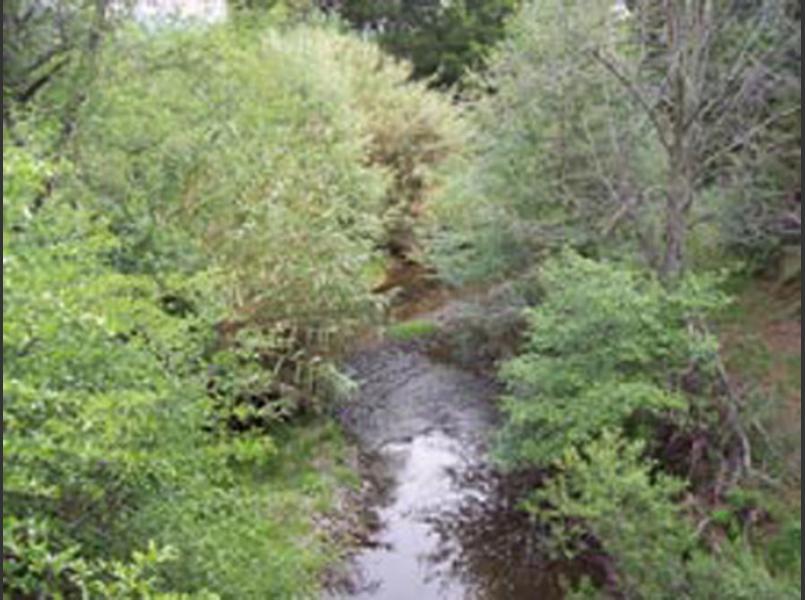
x=157, y=11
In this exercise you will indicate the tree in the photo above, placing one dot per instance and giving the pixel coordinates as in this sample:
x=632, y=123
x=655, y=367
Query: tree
x=52, y=47
x=639, y=127
x=443, y=40
x=706, y=73
x=557, y=150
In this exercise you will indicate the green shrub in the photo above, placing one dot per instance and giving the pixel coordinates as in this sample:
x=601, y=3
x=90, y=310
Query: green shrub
x=247, y=530
x=281, y=161
x=609, y=493
x=103, y=405
x=785, y=550
x=611, y=353
x=607, y=490
x=108, y=440
x=412, y=133
x=608, y=344
x=189, y=271
x=238, y=153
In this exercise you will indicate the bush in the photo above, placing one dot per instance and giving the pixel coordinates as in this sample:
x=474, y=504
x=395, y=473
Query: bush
x=410, y=133
x=102, y=400
x=607, y=494
x=240, y=155
x=109, y=440
x=608, y=347
x=281, y=161
x=611, y=355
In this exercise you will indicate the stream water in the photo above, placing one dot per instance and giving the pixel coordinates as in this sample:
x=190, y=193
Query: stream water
x=448, y=524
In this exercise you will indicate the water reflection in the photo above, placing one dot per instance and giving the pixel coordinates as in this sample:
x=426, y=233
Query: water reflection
x=450, y=527
x=490, y=545
x=401, y=565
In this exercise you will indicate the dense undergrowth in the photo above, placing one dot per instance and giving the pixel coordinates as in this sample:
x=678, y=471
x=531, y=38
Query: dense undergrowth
x=613, y=363
x=180, y=274
x=195, y=219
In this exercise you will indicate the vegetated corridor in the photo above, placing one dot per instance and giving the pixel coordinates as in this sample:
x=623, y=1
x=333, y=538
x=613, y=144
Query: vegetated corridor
x=571, y=229
x=447, y=524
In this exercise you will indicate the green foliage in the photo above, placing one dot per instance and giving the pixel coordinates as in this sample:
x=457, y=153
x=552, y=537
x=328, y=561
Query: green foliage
x=737, y=573
x=255, y=150
x=104, y=410
x=552, y=145
x=32, y=568
x=610, y=492
x=41, y=42
x=180, y=277
x=282, y=10
x=412, y=330
x=603, y=347
x=611, y=352
x=278, y=165
x=606, y=489
x=410, y=133
x=176, y=286
x=102, y=405
x=281, y=160
x=246, y=530
x=785, y=550
x=761, y=214
x=573, y=143
x=443, y=40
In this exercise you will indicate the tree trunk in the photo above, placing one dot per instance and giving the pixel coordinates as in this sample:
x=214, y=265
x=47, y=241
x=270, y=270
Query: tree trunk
x=675, y=233
x=680, y=185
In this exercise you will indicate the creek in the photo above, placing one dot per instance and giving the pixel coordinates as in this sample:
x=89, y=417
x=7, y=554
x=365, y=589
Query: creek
x=448, y=523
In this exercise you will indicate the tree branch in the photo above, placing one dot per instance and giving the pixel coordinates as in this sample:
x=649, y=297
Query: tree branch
x=29, y=92
x=746, y=137
x=633, y=90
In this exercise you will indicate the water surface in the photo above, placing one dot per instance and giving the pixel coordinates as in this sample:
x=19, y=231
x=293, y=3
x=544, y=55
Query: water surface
x=449, y=524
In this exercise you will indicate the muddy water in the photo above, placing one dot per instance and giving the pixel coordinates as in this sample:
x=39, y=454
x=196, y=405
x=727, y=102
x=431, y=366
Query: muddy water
x=448, y=523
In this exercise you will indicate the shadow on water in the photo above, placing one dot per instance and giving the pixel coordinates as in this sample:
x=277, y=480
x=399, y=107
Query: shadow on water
x=492, y=547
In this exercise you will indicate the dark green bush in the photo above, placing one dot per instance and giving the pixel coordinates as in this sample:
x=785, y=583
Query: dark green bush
x=606, y=344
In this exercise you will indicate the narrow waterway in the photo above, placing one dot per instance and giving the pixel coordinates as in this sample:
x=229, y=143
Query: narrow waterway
x=448, y=523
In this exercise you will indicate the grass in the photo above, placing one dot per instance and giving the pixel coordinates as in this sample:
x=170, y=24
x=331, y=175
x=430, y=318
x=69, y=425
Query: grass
x=761, y=339
x=374, y=272
x=412, y=330
x=784, y=550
